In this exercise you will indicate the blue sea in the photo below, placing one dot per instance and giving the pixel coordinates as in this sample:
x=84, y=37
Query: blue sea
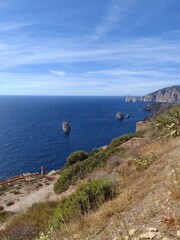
x=31, y=134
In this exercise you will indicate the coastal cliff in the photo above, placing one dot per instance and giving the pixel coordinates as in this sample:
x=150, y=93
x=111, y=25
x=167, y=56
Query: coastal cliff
x=167, y=95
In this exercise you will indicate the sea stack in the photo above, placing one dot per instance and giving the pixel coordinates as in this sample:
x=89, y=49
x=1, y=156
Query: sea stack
x=66, y=127
x=119, y=116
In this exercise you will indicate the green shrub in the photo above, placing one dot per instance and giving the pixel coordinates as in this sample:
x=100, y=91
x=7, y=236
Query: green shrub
x=167, y=124
x=97, y=159
x=71, y=174
x=65, y=180
x=94, y=151
x=122, y=139
x=76, y=156
x=87, y=197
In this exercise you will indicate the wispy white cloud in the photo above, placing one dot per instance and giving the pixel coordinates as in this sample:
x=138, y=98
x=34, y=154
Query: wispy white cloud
x=59, y=73
x=144, y=61
x=9, y=26
x=114, y=81
x=116, y=11
x=138, y=52
x=112, y=16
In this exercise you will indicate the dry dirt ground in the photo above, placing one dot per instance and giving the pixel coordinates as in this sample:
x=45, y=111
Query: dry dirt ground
x=26, y=193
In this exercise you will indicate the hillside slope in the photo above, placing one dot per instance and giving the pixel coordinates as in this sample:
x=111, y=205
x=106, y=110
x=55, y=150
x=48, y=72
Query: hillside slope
x=148, y=205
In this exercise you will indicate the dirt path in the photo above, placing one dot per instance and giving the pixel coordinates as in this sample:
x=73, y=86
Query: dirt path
x=23, y=195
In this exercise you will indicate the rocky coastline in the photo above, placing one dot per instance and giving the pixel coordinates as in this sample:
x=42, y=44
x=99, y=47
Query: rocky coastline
x=165, y=95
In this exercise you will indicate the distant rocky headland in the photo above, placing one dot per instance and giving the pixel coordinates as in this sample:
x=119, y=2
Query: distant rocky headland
x=166, y=95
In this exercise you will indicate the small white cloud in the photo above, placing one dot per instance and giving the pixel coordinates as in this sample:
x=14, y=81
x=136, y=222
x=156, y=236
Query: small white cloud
x=59, y=73
x=88, y=74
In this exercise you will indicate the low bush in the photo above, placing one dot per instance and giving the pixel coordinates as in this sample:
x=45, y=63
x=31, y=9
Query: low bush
x=65, y=179
x=75, y=157
x=30, y=224
x=122, y=139
x=94, y=151
x=87, y=197
x=143, y=162
x=71, y=174
x=97, y=159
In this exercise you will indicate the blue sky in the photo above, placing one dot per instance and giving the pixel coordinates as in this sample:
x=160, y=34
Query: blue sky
x=88, y=47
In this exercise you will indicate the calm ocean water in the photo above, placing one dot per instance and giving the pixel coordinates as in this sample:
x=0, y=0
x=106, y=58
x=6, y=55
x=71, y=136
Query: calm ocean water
x=31, y=133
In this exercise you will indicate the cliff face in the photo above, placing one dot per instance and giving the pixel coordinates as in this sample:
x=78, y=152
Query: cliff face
x=133, y=99
x=168, y=95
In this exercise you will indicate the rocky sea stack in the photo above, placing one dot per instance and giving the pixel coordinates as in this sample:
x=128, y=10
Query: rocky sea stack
x=119, y=116
x=166, y=95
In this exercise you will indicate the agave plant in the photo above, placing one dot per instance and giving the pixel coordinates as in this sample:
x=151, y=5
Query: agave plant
x=167, y=124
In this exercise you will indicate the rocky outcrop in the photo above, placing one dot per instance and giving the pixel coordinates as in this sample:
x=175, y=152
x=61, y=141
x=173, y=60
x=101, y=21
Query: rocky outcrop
x=142, y=125
x=66, y=127
x=166, y=95
x=134, y=143
x=119, y=116
x=133, y=99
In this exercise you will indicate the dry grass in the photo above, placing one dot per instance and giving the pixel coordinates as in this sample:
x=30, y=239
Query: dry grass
x=136, y=187
x=132, y=189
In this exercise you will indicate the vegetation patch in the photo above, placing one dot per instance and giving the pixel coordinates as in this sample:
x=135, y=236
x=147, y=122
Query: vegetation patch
x=167, y=124
x=143, y=162
x=75, y=157
x=97, y=158
x=4, y=215
x=124, y=138
x=80, y=170
x=87, y=197
x=30, y=224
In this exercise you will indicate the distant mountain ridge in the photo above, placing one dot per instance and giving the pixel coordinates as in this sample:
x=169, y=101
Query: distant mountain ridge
x=166, y=95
